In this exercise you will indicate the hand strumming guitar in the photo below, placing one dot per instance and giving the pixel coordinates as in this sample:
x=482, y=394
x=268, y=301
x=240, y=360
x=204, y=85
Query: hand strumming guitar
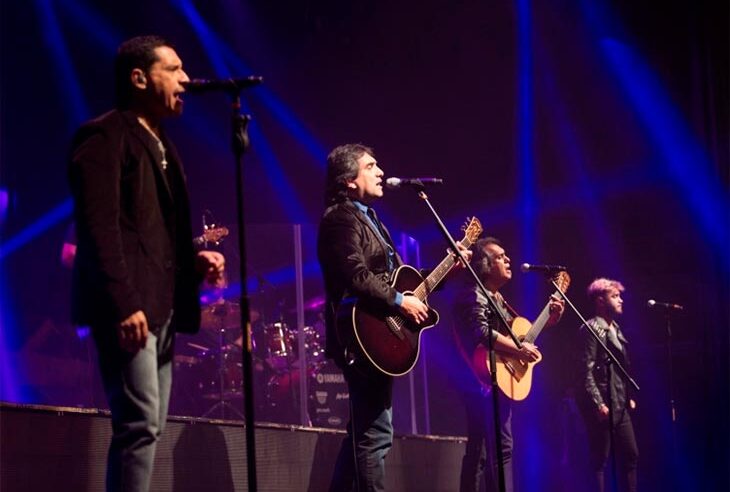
x=413, y=308
x=527, y=353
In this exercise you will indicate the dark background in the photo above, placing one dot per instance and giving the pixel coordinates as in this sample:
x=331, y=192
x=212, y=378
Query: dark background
x=580, y=133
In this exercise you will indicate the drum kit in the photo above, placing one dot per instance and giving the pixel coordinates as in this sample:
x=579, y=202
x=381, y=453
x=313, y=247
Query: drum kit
x=210, y=367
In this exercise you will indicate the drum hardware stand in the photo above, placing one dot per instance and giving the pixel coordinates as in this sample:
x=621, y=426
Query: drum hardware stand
x=223, y=404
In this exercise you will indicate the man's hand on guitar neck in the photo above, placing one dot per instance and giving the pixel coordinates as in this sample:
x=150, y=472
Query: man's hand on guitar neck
x=465, y=252
x=557, y=306
x=414, y=309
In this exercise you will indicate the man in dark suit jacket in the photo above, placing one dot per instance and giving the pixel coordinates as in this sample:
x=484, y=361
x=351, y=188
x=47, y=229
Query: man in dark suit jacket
x=357, y=257
x=598, y=378
x=136, y=273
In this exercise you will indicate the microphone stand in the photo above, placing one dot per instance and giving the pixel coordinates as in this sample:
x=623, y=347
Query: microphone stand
x=240, y=144
x=670, y=362
x=492, y=308
x=612, y=364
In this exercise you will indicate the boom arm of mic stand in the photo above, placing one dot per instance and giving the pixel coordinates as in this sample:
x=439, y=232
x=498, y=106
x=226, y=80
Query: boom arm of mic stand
x=614, y=361
x=452, y=244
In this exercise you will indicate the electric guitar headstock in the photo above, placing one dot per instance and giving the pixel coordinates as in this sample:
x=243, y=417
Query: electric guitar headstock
x=214, y=234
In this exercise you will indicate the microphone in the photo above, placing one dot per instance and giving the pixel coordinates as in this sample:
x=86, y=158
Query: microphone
x=415, y=182
x=526, y=267
x=198, y=86
x=666, y=305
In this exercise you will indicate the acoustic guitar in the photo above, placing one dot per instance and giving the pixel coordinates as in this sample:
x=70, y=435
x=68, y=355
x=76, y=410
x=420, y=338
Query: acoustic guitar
x=514, y=377
x=388, y=340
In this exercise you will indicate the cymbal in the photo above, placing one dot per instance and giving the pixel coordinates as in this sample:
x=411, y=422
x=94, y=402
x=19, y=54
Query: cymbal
x=313, y=304
x=220, y=315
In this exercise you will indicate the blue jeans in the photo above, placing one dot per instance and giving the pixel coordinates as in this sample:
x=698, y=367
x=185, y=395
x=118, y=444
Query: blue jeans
x=480, y=456
x=360, y=463
x=137, y=387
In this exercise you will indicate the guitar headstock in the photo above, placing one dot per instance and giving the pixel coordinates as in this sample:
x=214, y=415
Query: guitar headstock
x=472, y=230
x=214, y=234
x=562, y=280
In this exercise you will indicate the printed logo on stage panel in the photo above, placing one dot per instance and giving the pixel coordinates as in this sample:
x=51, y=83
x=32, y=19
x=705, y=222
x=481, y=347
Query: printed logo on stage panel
x=330, y=378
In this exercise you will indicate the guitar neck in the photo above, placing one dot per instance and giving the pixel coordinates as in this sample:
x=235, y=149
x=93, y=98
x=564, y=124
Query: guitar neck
x=438, y=274
x=539, y=324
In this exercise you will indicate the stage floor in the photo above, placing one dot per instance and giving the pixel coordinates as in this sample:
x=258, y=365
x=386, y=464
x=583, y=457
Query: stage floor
x=64, y=448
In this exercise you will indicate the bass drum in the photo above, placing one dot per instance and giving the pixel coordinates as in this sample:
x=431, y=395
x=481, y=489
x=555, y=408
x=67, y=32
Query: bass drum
x=282, y=398
x=220, y=375
x=329, y=397
x=185, y=397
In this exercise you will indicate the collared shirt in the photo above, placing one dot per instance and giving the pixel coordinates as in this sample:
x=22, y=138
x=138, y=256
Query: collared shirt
x=391, y=252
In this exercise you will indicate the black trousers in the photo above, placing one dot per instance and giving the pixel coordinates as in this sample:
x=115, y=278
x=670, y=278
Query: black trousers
x=599, y=444
x=480, y=459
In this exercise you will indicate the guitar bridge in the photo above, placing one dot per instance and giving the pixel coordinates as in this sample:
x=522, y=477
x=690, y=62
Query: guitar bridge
x=396, y=326
x=515, y=368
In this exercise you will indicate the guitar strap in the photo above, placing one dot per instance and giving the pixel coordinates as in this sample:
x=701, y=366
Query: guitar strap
x=507, y=310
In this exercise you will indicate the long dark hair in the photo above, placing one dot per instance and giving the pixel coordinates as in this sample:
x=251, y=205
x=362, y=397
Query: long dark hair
x=342, y=167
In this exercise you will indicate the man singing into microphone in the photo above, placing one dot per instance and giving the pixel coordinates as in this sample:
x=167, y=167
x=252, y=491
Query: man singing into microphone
x=357, y=257
x=491, y=263
x=136, y=273
x=598, y=379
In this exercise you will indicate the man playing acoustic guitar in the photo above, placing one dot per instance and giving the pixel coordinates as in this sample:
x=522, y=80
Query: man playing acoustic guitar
x=358, y=258
x=471, y=319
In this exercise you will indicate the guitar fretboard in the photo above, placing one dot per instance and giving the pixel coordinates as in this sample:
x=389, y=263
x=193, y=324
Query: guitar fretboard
x=542, y=319
x=438, y=273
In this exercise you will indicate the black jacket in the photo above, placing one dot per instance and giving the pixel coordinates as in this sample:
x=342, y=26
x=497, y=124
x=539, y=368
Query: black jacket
x=593, y=390
x=354, y=262
x=135, y=248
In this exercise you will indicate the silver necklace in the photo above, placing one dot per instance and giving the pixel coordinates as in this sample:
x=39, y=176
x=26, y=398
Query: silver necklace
x=160, y=146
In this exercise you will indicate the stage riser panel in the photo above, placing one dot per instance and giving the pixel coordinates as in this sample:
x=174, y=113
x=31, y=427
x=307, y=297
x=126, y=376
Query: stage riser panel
x=51, y=450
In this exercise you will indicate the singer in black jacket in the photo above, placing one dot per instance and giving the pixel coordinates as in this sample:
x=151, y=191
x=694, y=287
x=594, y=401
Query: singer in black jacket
x=357, y=256
x=136, y=274
x=598, y=378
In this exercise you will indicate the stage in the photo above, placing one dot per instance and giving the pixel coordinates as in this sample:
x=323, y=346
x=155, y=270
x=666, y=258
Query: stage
x=64, y=448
